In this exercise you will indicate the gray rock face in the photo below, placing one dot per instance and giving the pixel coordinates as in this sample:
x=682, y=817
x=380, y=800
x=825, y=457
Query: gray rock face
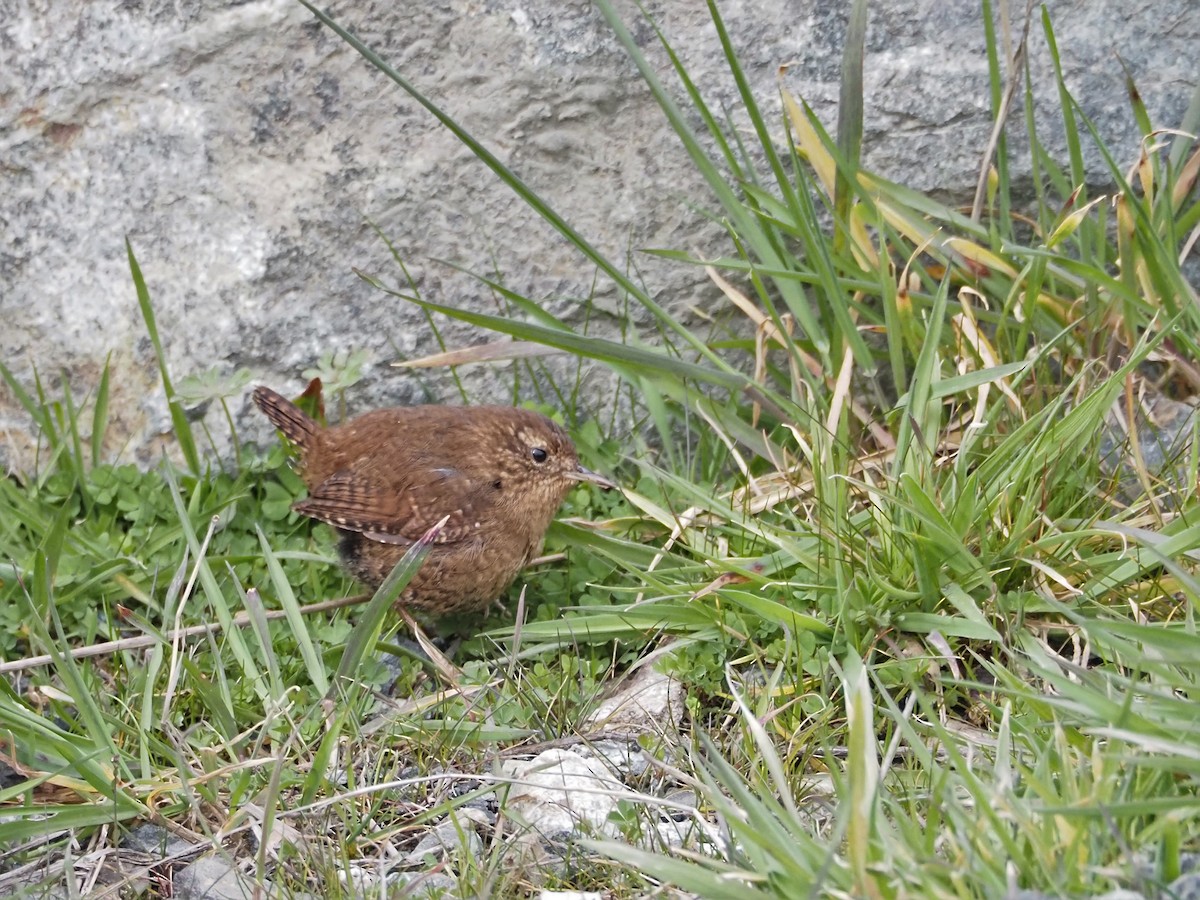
x=245, y=150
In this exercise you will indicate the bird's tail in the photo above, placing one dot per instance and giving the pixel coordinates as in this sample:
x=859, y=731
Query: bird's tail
x=297, y=426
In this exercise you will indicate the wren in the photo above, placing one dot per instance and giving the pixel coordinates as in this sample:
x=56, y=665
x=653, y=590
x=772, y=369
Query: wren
x=384, y=478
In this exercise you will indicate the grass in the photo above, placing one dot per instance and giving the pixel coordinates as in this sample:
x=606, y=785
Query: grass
x=932, y=644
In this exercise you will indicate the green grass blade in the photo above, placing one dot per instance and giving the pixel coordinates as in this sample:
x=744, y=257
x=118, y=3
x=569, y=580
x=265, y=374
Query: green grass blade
x=365, y=635
x=100, y=412
x=291, y=608
x=850, y=122
x=212, y=590
x=179, y=420
x=612, y=352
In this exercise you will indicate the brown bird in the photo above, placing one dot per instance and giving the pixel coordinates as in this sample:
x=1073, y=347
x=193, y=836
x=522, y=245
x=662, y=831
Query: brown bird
x=386, y=477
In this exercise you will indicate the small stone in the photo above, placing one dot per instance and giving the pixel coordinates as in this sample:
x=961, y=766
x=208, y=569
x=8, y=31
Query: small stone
x=424, y=884
x=558, y=790
x=680, y=797
x=692, y=834
x=1185, y=887
x=359, y=878
x=213, y=878
x=650, y=702
x=624, y=757
x=482, y=809
x=9, y=776
x=477, y=816
x=453, y=837
x=153, y=840
x=1163, y=430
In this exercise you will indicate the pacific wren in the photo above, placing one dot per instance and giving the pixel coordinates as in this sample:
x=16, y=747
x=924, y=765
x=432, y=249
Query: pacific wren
x=386, y=477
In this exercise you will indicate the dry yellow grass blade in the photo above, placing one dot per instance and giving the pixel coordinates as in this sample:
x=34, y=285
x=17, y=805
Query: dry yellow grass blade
x=490, y=352
x=450, y=673
x=1070, y=223
x=419, y=706
x=241, y=620
x=766, y=329
x=825, y=167
x=841, y=392
x=1186, y=180
x=977, y=260
x=1127, y=248
x=973, y=346
x=980, y=256
x=810, y=144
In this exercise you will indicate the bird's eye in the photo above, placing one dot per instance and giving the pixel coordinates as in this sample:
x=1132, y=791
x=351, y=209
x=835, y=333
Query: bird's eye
x=539, y=455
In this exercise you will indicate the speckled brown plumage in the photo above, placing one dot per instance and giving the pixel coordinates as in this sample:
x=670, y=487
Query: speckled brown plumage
x=385, y=478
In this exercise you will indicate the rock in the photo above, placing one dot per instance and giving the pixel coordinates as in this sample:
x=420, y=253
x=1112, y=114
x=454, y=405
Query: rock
x=454, y=839
x=154, y=840
x=650, y=702
x=1185, y=887
x=559, y=792
x=366, y=880
x=245, y=150
x=1163, y=429
x=213, y=878
x=362, y=879
x=483, y=807
x=692, y=834
x=624, y=758
x=425, y=884
x=684, y=802
x=9, y=776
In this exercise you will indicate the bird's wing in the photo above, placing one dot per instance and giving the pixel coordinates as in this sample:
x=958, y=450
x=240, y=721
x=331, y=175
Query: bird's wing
x=397, y=507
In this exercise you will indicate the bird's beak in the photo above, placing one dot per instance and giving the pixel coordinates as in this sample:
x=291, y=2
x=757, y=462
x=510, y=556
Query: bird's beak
x=582, y=474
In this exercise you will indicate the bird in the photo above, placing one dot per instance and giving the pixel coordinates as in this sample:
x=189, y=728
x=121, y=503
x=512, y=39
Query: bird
x=384, y=478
